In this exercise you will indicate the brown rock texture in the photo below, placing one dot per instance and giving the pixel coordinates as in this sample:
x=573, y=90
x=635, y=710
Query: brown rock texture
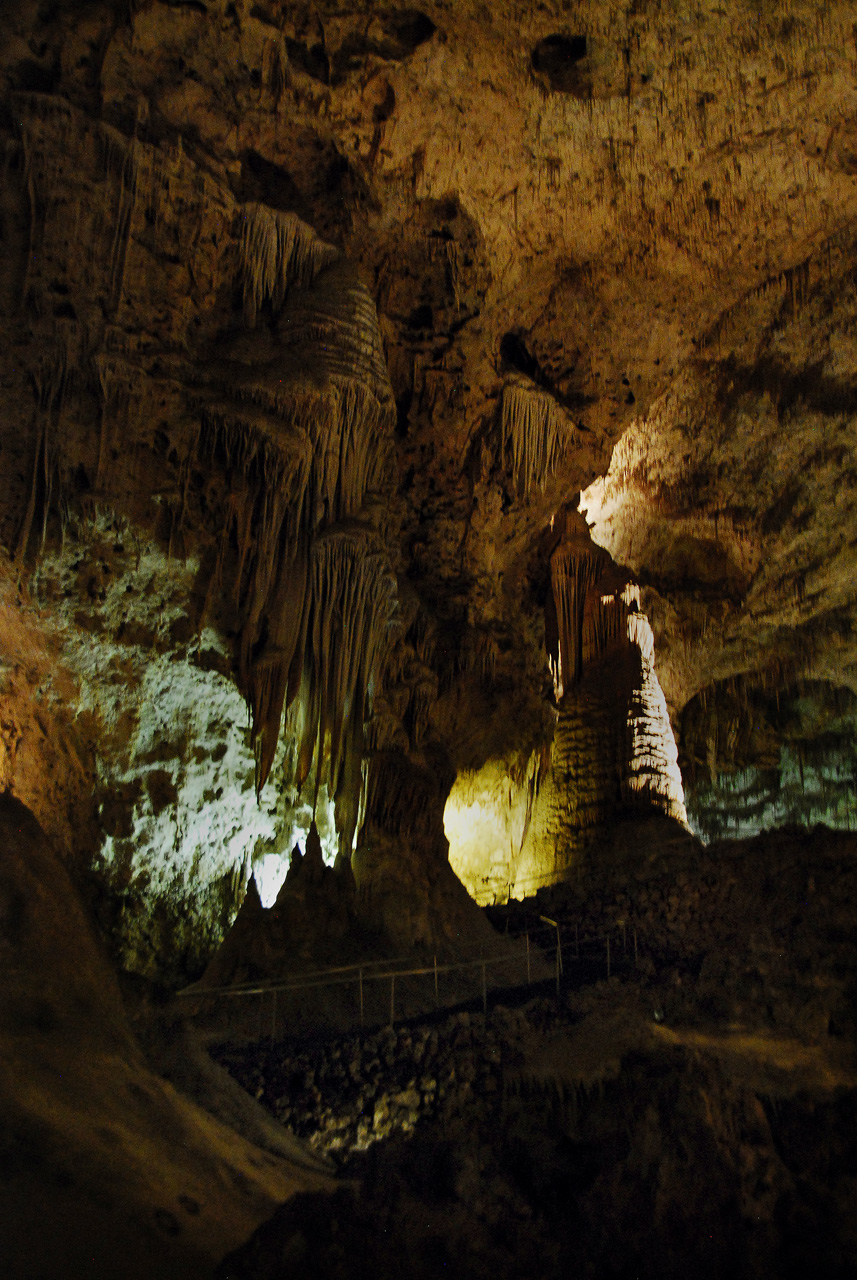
x=104, y=1163
x=315, y=322
x=427, y=441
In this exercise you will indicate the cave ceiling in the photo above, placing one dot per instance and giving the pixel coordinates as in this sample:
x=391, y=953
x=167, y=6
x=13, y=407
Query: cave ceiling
x=631, y=224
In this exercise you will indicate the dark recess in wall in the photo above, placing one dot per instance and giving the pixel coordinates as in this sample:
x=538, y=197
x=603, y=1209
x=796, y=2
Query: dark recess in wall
x=310, y=59
x=557, y=58
x=269, y=184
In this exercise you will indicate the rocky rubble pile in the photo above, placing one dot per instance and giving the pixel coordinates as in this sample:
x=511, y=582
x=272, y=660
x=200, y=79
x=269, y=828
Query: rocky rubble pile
x=666, y=1164
x=346, y=1094
x=763, y=930
x=696, y=1114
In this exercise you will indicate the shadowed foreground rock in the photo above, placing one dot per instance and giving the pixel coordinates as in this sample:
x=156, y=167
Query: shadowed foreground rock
x=696, y=1115
x=106, y=1169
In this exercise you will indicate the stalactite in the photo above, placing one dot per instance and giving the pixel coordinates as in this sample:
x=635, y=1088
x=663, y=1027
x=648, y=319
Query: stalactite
x=534, y=432
x=276, y=250
x=120, y=384
x=576, y=565
x=265, y=517
x=302, y=418
x=352, y=599
x=328, y=380
x=267, y=674
x=423, y=696
x=315, y=604
x=604, y=626
x=49, y=382
x=120, y=168
x=348, y=607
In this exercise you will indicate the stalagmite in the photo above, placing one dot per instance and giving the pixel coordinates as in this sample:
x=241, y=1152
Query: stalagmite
x=653, y=771
x=534, y=431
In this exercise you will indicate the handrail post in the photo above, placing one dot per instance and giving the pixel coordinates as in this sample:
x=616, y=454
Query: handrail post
x=555, y=925
x=392, y=998
x=274, y=1016
x=360, y=983
x=484, y=990
x=436, y=996
x=528, y=958
x=635, y=949
x=608, y=955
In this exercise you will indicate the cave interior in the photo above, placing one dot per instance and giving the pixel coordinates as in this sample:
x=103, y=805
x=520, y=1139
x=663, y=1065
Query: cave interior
x=428, y=640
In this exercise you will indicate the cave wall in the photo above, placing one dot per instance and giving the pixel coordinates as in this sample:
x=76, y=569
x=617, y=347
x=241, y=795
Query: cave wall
x=314, y=322
x=732, y=501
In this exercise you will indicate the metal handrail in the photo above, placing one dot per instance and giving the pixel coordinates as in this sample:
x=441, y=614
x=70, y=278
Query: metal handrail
x=345, y=975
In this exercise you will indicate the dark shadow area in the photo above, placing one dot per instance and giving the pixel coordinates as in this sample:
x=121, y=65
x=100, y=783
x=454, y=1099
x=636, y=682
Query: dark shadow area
x=558, y=58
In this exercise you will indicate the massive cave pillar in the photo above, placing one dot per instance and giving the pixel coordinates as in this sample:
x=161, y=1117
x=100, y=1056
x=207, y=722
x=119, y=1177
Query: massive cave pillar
x=516, y=825
x=614, y=750
x=401, y=851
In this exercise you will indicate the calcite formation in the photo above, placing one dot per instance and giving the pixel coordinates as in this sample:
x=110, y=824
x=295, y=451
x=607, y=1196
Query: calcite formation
x=315, y=324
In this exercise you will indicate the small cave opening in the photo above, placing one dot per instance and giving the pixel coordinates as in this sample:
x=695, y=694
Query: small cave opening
x=422, y=317
x=557, y=58
x=516, y=357
x=403, y=410
x=267, y=183
x=515, y=354
x=407, y=30
x=311, y=59
x=393, y=37
x=35, y=77
x=387, y=105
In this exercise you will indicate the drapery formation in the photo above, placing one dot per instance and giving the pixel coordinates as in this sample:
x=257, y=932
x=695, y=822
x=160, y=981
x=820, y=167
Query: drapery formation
x=276, y=250
x=300, y=412
x=534, y=431
x=294, y=406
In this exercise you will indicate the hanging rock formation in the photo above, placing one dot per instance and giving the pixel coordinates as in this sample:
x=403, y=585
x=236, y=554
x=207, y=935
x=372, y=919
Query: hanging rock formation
x=314, y=323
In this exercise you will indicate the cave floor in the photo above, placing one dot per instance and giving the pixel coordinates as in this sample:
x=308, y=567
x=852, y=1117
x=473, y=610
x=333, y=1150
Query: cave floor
x=695, y=1113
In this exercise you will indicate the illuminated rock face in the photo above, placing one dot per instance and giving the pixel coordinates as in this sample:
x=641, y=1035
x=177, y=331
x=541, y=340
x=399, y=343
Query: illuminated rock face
x=515, y=826
x=174, y=770
x=757, y=757
x=734, y=502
